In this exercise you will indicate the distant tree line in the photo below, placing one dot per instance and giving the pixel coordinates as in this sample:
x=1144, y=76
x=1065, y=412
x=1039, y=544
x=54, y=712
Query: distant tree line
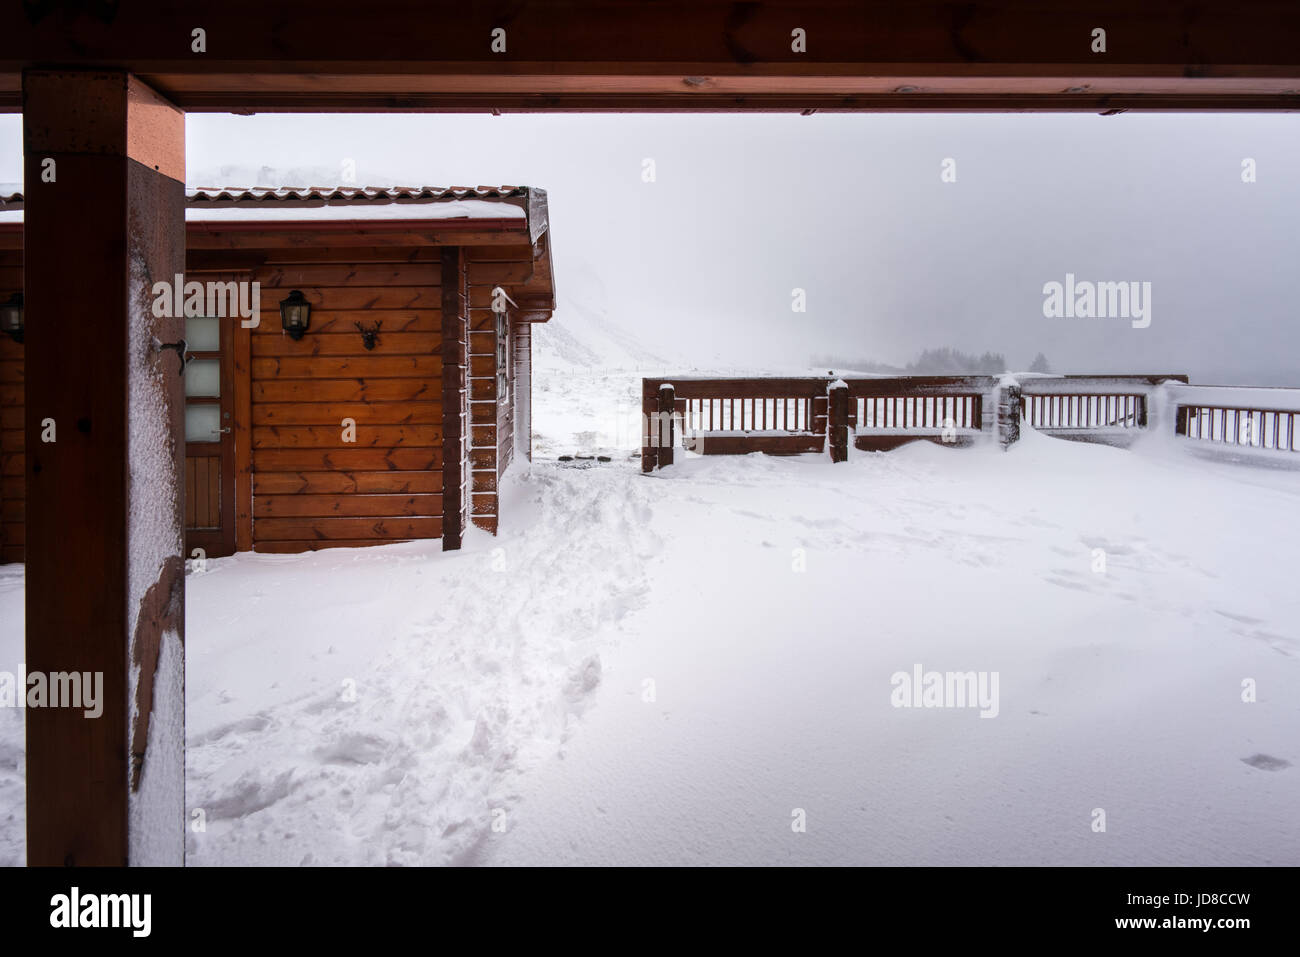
x=947, y=361
x=941, y=361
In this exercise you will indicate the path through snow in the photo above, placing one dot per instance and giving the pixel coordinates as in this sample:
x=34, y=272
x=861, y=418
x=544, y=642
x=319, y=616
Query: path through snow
x=374, y=706
x=474, y=666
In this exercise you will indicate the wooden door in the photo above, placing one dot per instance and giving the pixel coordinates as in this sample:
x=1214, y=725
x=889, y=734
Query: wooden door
x=209, y=437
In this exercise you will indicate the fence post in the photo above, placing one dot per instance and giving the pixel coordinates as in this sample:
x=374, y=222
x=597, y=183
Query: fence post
x=665, y=429
x=1182, y=420
x=649, y=425
x=1008, y=414
x=837, y=421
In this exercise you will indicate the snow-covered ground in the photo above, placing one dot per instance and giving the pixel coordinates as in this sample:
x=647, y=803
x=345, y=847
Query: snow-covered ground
x=772, y=686
x=672, y=668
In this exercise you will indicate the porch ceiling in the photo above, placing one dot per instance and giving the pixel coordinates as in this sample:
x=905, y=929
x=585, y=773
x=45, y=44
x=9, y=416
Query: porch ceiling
x=705, y=55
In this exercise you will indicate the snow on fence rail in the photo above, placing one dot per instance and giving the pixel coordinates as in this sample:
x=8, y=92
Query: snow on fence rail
x=784, y=416
x=1106, y=409
x=1240, y=418
x=780, y=416
x=886, y=412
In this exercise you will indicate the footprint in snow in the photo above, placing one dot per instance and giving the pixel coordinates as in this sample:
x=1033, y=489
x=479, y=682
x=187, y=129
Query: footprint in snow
x=1244, y=619
x=1112, y=548
x=1266, y=762
x=353, y=749
x=1064, y=582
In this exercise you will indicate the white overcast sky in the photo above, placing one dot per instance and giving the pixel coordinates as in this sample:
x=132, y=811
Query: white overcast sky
x=851, y=208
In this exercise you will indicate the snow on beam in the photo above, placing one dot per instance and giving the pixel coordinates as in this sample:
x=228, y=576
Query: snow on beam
x=1237, y=397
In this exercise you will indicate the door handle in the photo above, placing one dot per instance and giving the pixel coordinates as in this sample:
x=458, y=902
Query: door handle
x=221, y=431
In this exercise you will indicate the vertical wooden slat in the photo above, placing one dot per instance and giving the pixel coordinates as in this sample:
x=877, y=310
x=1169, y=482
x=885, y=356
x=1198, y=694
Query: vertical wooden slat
x=207, y=492
x=201, y=493
x=454, y=394
x=214, y=491
x=242, y=410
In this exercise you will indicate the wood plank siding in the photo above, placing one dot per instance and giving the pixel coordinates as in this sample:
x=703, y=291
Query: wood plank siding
x=317, y=481
x=435, y=406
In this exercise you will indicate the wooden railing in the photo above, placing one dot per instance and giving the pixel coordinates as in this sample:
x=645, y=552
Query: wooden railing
x=731, y=417
x=1081, y=411
x=886, y=412
x=749, y=414
x=1239, y=418
x=785, y=416
x=1106, y=409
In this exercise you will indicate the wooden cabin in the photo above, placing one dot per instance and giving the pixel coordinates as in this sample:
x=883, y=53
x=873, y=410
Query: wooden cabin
x=397, y=412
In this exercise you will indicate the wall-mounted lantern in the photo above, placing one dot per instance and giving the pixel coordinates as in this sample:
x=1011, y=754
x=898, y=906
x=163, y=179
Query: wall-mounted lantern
x=295, y=314
x=11, y=317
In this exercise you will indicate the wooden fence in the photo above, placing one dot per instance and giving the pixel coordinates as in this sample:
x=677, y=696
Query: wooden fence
x=1111, y=410
x=787, y=416
x=884, y=413
x=1237, y=418
x=731, y=417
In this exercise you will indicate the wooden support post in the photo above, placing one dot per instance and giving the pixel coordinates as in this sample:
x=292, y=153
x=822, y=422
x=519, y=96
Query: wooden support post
x=837, y=424
x=1183, y=419
x=1008, y=412
x=649, y=417
x=665, y=429
x=105, y=171
x=455, y=397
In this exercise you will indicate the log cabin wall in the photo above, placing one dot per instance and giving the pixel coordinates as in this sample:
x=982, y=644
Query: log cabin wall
x=297, y=484
x=12, y=488
x=311, y=488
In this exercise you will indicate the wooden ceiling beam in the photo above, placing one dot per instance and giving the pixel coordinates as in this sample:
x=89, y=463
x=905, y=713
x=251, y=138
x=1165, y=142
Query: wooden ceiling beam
x=700, y=55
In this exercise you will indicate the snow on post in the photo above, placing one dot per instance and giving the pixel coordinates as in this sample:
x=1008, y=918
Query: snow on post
x=837, y=420
x=663, y=430
x=1008, y=404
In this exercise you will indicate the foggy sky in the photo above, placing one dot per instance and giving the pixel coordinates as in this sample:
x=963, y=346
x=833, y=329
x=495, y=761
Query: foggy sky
x=701, y=262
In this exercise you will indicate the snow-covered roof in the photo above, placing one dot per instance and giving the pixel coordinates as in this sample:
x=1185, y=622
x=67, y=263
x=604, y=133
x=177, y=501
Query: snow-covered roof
x=461, y=209
x=314, y=203
x=350, y=194
x=523, y=205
